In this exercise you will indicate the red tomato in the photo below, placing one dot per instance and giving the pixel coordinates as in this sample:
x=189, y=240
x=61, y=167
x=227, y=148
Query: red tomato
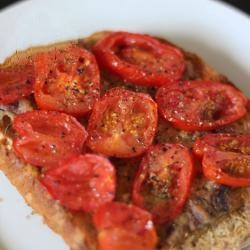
x=139, y=59
x=68, y=81
x=84, y=182
x=248, y=104
x=122, y=123
x=227, y=168
x=16, y=83
x=200, y=105
x=122, y=227
x=47, y=137
x=163, y=181
x=222, y=142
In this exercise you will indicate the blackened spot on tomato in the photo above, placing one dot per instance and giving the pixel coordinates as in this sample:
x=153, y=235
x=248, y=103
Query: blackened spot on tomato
x=80, y=71
x=81, y=59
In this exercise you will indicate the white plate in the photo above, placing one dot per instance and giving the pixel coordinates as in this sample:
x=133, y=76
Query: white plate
x=219, y=33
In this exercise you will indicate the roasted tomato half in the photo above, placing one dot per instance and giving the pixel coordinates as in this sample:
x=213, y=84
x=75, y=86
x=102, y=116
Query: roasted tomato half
x=222, y=142
x=139, y=59
x=122, y=227
x=122, y=123
x=67, y=80
x=200, y=105
x=16, y=82
x=84, y=182
x=228, y=168
x=163, y=181
x=46, y=138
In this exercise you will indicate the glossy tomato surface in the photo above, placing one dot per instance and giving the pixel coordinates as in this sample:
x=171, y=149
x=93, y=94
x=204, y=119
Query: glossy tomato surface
x=222, y=142
x=16, y=83
x=121, y=227
x=228, y=168
x=122, y=123
x=200, y=105
x=67, y=80
x=162, y=183
x=84, y=182
x=139, y=59
x=45, y=138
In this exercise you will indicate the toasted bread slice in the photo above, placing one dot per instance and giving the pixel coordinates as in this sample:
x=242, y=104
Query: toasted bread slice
x=215, y=217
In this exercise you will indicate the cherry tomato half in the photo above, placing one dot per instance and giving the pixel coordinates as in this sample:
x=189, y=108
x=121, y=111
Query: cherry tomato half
x=200, y=105
x=122, y=227
x=227, y=168
x=222, y=142
x=139, y=59
x=122, y=123
x=16, y=83
x=47, y=137
x=84, y=182
x=163, y=181
x=67, y=81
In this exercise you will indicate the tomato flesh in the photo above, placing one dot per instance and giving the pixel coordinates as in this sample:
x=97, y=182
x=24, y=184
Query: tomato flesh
x=16, y=83
x=84, y=182
x=225, y=158
x=227, y=168
x=47, y=137
x=200, y=105
x=122, y=123
x=248, y=104
x=162, y=183
x=139, y=59
x=222, y=142
x=121, y=227
x=67, y=81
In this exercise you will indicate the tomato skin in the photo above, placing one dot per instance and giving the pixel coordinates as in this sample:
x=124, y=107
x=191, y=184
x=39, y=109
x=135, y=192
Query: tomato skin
x=83, y=183
x=223, y=168
x=248, y=104
x=67, y=81
x=122, y=123
x=166, y=173
x=200, y=105
x=47, y=137
x=16, y=83
x=222, y=142
x=121, y=227
x=135, y=64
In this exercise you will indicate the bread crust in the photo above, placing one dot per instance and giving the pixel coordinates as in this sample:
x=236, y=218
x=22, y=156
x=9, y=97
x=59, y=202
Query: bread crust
x=229, y=231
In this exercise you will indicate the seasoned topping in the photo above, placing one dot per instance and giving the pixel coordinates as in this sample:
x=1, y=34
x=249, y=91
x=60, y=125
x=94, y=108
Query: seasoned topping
x=123, y=227
x=226, y=158
x=139, y=59
x=122, y=123
x=162, y=183
x=223, y=142
x=67, y=80
x=200, y=105
x=227, y=168
x=16, y=82
x=44, y=138
x=237, y=167
x=84, y=182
